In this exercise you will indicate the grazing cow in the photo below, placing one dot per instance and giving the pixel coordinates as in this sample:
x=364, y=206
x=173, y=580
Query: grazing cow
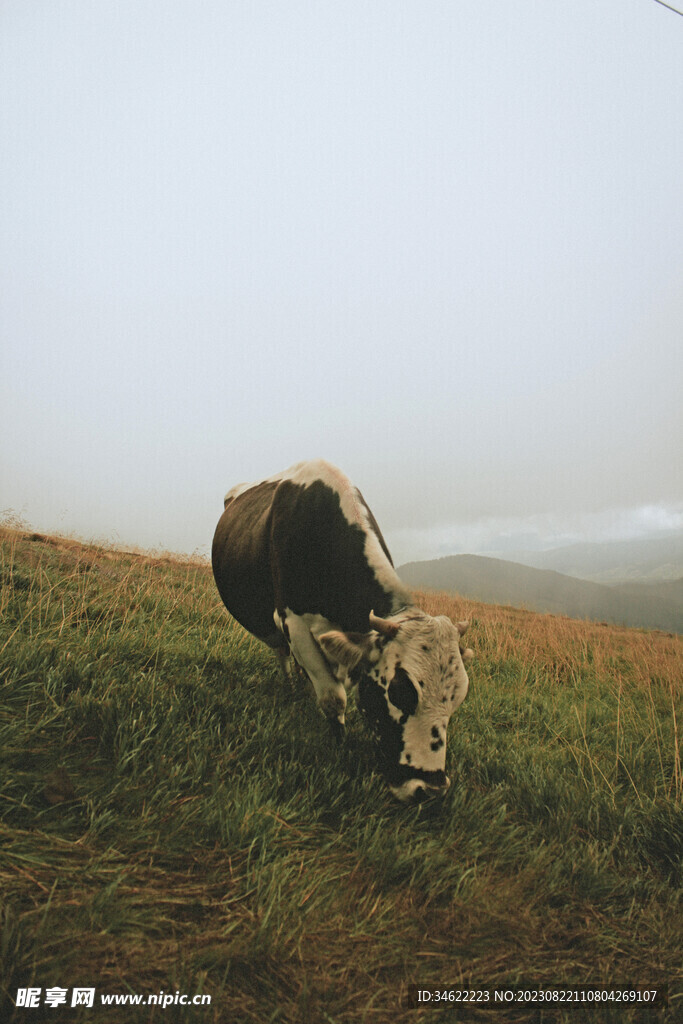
x=300, y=562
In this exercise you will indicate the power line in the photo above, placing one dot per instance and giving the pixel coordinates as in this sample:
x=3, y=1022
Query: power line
x=669, y=7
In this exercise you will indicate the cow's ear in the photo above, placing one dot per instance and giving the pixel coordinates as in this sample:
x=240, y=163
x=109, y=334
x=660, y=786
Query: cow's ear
x=346, y=648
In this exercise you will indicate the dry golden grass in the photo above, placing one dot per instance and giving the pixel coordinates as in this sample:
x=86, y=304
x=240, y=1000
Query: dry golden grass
x=560, y=646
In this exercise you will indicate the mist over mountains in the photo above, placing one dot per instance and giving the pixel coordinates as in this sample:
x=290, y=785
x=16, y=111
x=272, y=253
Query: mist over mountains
x=644, y=560
x=572, y=581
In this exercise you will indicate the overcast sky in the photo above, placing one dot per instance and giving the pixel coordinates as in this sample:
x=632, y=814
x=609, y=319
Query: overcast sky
x=437, y=243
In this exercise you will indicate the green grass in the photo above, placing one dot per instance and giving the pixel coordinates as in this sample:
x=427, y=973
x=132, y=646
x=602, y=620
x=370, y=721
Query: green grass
x=174, y=817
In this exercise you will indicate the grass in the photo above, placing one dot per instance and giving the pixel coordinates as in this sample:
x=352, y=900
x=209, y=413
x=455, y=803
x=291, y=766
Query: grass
x=173, y=817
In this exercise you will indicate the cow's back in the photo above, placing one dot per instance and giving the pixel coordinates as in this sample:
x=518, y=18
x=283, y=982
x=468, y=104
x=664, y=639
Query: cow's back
x=303, y=541
x=240, y=557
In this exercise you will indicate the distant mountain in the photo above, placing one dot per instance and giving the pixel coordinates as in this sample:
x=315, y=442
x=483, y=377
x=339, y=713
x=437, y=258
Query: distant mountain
x=650, y=605
x=644, y=560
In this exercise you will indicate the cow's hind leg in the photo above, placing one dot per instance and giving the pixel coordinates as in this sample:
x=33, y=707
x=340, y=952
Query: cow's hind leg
x=329, y=691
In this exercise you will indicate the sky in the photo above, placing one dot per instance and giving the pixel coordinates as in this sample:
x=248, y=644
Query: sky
x=439, y=244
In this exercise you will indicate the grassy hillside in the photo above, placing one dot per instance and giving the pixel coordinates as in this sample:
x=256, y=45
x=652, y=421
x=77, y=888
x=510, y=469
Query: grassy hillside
x=656, y=606
x=174, y=818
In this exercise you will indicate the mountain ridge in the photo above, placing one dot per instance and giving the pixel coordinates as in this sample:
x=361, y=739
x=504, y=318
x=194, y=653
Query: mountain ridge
x=500, y=581
x=644, y=559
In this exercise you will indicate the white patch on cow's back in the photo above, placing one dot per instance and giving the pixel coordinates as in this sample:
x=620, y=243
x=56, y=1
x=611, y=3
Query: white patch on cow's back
x=238, y=489
x=300, y=473
x=235, y=492
x=307, y=473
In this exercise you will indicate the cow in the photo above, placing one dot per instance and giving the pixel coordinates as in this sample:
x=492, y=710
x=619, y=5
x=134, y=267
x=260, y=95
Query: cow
x=300, y=562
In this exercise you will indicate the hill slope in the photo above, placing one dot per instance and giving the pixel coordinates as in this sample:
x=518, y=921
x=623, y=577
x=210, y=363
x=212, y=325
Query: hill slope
x=655, y=606
x=174, y=817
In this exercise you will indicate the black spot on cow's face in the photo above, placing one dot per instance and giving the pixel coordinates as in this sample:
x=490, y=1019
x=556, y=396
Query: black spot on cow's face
x=437, y=739
x=402, y=692
x=387, y=731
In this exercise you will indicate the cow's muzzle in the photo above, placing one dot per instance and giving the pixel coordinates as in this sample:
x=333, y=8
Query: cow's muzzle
x=416, y=790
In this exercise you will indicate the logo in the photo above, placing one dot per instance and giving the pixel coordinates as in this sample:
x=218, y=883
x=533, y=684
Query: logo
x=29, y=998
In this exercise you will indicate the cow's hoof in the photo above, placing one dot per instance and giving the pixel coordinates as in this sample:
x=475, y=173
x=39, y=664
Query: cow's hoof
x=338, y=730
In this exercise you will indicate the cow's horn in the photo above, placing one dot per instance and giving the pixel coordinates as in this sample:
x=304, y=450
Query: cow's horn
x=462, y=626
x=383, y=626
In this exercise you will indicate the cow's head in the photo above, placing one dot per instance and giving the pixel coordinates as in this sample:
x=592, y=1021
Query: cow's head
x=411, y=678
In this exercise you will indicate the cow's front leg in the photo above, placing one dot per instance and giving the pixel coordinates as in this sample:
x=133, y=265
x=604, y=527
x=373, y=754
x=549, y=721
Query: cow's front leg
x=329, y=691
x=283, y=655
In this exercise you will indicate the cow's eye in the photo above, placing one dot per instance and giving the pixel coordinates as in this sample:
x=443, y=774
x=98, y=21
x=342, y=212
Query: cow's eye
x=402, y=692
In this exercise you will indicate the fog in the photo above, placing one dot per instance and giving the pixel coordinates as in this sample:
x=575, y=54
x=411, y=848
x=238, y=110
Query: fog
x=438, y=244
